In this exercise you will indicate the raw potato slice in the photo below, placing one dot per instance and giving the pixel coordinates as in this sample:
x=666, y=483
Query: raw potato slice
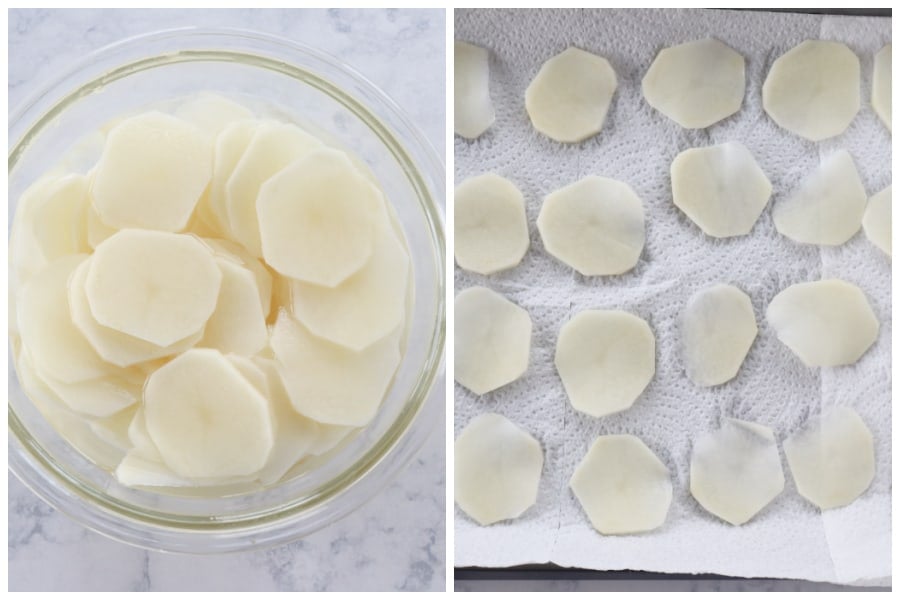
x=153, y=171
x=364, y=308
x=206, y=419
x=490, y=228
x=828, y=208
x=159, y=287
x=696, y=83
x=720, y=188
x=315, y=373
x=832, y=459
x=97, y=230
x=318, y=217
x=568, y=98
x=328, y=437
x=211, y=112
x=492, y=340
x=25, y=254
x=497, y=469
x=826, y=323
x=238, y=324
x=46, y=327
x=813, y=89
x=100, y=397
x=473, y=111
x=877, y=220
x=717, y=327
x=736, y=471
x=60, y=221
x=881, y=86
x=596, y=226
x=114, y=429
x=120, y=349
x=230, y=146
x=605, y=359
x=273, y=147
x=622, y=486
x=236, y=252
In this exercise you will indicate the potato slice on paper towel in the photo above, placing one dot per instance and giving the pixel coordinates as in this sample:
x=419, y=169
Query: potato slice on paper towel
x=736, y=471
x=159, y=287
x=622, y=486
x=832, y=458
x=881, y=86
x=497, y=469
x=473, y=111
x=153, y=170
x=877, y=220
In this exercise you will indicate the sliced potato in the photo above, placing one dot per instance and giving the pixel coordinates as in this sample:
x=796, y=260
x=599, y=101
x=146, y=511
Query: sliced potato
x=236, y=252
x=231, y=143
x=97, y=230
x=101, y=397
x=211, y=112
x=25, y=254
x=238, y=323
x=114, y=429
x=60, y=221
x=318, y=218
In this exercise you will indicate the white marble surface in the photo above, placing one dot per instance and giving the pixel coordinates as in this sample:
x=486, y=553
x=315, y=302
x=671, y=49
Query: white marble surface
x=397, y=540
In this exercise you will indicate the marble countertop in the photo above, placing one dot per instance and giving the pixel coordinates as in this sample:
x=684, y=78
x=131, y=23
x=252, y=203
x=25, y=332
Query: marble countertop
x=394, y=542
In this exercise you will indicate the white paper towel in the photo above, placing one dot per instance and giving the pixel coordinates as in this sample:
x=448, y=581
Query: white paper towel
x=789, y=538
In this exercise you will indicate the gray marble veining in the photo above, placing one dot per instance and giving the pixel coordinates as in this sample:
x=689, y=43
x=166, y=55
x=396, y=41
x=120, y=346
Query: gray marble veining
x=394, y=542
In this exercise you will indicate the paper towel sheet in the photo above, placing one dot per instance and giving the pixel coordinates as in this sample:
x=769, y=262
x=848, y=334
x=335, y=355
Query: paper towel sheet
x=789, y=538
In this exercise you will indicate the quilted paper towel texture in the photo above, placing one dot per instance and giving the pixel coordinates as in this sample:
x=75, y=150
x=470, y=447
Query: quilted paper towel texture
x=789, y=538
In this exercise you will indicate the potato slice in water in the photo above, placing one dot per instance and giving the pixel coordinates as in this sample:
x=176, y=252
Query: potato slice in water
x=318, y=218
x=231, y=143
x=272, y=147
x=60, y=221
x=112, y=345
x=315, y=373
x=99, y=397
x=206, y=419
x=159, y=287
x=238, y=324
x=114, y=429
x=364, y=308
x=832, y=458
x=211, y=112
x=97, y=230
x=236, y=252
x=26, y=256
x=46, y=326
x=153, y=170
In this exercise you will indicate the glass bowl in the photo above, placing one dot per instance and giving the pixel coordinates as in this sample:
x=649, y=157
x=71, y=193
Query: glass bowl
x=313, y=89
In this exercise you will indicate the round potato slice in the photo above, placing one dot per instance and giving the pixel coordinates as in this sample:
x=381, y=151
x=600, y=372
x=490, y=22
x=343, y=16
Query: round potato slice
x=828, y=208
x=736, y=471
x=826, y=323
x=315, y=373
x=25, y=253
x=153, y=170
x=101, y=397
x=318, y=218
x=622, y=486
x=473, y=111
x=881, y=86
x=492, y=340
x=366, y=307
x=159, y=287
x=812, y=90
x=490, y=227
x=569, y=97
x=605, y=359
x=877, y=220
x=238, y=324
x=60, y=225
x=596, y=226
x=272, y=147
x=46, y=327
x=211, y=112
x=97, y=230
x=206, y=419
x=235, y=252
x=497, y=469
x=231, y=143
x=120, y=349
x=114, y=429
x=832, y=459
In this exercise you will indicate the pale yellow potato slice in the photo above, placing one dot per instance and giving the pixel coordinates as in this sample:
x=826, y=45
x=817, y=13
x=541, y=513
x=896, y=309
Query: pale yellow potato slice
x=156, y=286
x=153, y=170
x=828, y=207
x=238, y=324
x=101, y=397
x=492, y=340
x=473, y=110
x=329, y=383
x=230, y=145
x=60, y=221
x=237, y=253
x=497, y=469
x=826, y=323
x=115, y=347
x=736, y=471
x=877, y=220
x=832, y=458
x=206, y=419
x=622, y=486
x=318, y=218
x=212, y=112
x=25, y=255
x=812, y=90
x=46, y=327
x=272, y=147
x=97, y=230
x=490, y=227
x=366, y=307
x=605, y=358
x=114, y=429
x=328, y=437
x=881, y=86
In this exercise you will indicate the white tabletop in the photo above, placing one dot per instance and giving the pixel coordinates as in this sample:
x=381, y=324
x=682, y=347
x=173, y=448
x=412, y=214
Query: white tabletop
x=396, y=541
